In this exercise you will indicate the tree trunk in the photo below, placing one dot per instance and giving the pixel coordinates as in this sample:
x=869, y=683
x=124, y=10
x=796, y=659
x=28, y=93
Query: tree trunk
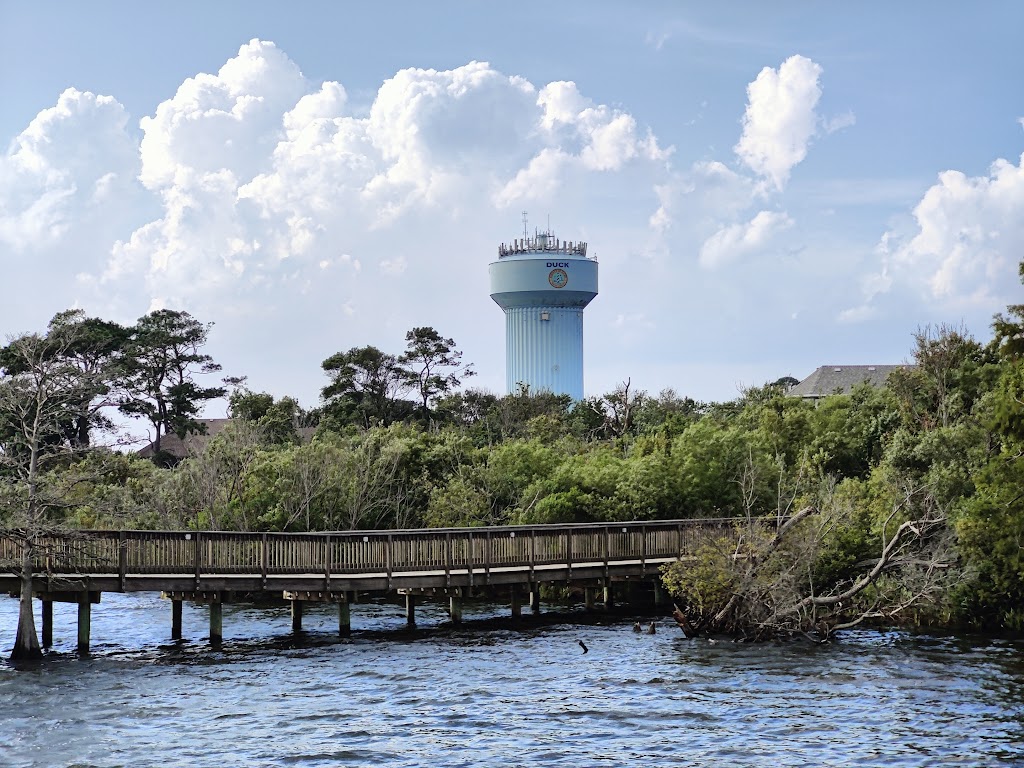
x=26, y=644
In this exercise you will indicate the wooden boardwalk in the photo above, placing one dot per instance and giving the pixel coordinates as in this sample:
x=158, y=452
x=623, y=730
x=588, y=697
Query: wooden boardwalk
x=210, y=567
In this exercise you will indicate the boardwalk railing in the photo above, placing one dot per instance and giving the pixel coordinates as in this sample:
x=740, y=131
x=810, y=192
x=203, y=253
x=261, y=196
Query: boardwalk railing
x=199, y=553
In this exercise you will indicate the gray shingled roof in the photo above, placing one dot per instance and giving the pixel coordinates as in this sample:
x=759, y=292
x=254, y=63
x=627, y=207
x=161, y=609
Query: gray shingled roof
x=192, y=445
x=840, y=379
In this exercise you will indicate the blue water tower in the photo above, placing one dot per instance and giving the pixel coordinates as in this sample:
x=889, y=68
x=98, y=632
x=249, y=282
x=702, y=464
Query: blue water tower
x=543, y=284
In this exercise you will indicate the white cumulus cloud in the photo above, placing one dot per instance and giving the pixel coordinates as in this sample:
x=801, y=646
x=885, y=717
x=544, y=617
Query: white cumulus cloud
x=780, y=118
x=738, y=240
x=969, y=236
x=61, y=172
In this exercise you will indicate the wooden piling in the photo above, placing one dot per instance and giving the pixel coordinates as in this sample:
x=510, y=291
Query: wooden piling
x=47, y=623
x=175, y=619
x=84, y=621
x=455, y=607
x=344, y=618
x=535, y=598
x=659, y=593
x=588, y=598
x=296, y=615
x=410, y=609
x=609, y=596
x=216, y=622
x=517, y=609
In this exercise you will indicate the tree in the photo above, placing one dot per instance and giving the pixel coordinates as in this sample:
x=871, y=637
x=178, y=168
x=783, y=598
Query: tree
x=161, y=360
x=434, y=364
x=1009, y=328
x=620, y=409
x=92, y=346
x=818, y=570
x=946, y=381
x=366, y=387
x=40, y=385
x=278, y=421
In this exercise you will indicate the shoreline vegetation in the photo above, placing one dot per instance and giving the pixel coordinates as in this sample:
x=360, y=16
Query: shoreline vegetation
x=899, y=504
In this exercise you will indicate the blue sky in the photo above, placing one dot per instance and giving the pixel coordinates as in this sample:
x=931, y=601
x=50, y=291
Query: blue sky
x=768, y=187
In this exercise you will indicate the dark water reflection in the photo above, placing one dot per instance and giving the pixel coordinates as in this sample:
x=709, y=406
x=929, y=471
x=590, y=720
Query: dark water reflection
x=497, y=696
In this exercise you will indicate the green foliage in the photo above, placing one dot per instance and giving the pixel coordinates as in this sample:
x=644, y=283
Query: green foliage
x=158, y=369
x=991, y=533
x=433, y=365
x=278, y=421
x=366, y=388
x=942, y=444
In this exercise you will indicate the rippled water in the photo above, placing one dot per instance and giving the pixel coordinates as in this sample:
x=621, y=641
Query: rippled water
x=486, y=695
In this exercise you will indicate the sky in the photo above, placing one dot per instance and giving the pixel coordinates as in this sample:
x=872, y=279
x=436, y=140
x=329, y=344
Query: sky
x=768, y=187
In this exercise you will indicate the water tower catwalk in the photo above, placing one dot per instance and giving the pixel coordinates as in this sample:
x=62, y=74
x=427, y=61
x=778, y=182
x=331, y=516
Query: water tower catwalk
x=543, y=284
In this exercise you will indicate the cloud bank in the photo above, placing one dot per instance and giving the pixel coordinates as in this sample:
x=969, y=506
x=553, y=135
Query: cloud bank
x=305, y=224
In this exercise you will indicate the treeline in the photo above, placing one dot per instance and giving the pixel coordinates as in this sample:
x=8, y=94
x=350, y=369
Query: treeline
x=902, y=503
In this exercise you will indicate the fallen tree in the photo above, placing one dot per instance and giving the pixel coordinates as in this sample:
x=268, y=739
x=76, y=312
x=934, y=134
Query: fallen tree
x=816, y=571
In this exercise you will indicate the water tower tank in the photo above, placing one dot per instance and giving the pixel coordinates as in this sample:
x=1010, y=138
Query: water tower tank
x=543, y=284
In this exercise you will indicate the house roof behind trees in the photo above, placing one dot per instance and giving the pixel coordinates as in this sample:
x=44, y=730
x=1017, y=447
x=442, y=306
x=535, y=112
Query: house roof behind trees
x=192, y=445
x=841, y=379
x=195, y=444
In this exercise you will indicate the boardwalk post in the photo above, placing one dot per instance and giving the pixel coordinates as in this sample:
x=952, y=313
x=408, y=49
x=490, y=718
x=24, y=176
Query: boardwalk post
x=344, y=617
x=588, y=598
x=296, y=615
x=410, y=609
x=659, y=593
x=455, y=606
x=390, y=558
x=447, y=558
x=517, y=610
x=47, y=623
x=609, y=597
x=175, y=619
x=643, y=552
x=122, y=557
x=535, y=597
x=84, y=616
x=216, y=621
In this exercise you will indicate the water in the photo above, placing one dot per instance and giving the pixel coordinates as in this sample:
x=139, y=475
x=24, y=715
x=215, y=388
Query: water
x=488, y=694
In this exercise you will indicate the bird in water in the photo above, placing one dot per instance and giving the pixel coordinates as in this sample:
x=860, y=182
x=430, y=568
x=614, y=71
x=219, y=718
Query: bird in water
x=583, y=646
x=636, y=627
x=651, y=629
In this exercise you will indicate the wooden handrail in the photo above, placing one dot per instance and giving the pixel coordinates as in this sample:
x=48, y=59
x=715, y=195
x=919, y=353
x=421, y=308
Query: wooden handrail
x=129, y=553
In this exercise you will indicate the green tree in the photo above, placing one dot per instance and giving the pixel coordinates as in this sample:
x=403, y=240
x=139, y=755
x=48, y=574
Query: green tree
x=434, y=366
x=278, y=421
x=161, y=361
x=366, y=388
x=40, y=386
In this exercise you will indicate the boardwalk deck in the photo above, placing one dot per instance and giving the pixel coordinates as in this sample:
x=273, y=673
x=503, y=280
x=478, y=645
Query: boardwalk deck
x=210, y=565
